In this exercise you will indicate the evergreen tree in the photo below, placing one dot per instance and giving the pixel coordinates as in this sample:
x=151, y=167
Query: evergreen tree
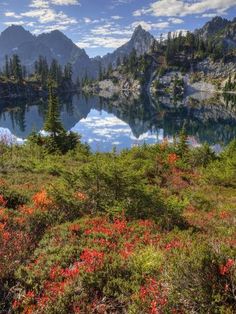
x=132, y=60
x=109, y=70
x=24, y=72
x=78, y=84
x=17, y=68
x=118, y=62
x=182, y=146
x=11, y=67
x=100, y=72
x=6, y=70
x=68, y=72
x=56, y=72
x=53, y=124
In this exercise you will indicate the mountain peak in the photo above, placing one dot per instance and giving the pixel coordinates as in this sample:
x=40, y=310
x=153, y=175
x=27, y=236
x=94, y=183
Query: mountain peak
x=15, y=29
x=213, y=26
x=138, y=28
x=13, y=36
x=57, y=33
x=139, y=31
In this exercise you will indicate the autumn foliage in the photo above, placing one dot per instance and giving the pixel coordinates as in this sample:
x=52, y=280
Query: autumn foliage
x=144, y=231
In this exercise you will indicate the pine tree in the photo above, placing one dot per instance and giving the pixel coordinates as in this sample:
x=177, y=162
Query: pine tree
x=11, y=72
x=182, y=146
x=53, y=124
x=118, y=62
x=78, y=83
x=109, y=70
x=100, y=74
x=7, y=70
x=16, y=68
x=24, y=72
x=56, y=72
x=68, y=72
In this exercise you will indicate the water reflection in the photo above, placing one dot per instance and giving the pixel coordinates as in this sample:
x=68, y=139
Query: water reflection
x=126, y=120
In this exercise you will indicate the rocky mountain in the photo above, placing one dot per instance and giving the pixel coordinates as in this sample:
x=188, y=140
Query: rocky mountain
x=56, y=45
x=212, y=27
x=13, y=37
x=141, y=41
x=219, y=30
x=53, y=45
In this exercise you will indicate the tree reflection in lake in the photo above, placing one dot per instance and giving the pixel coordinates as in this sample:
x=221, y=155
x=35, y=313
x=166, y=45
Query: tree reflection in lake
x=125, y=120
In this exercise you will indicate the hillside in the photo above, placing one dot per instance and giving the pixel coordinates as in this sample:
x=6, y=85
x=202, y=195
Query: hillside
x=204, y=60
x=148, y=230
x=214, y=40
x=55, y=45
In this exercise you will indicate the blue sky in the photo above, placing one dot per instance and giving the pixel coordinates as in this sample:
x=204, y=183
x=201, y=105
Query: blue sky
x=100, y=26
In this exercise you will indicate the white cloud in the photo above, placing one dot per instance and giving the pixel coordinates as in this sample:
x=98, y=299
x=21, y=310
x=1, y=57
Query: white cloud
x=48, y=29
x=87, y=20
x=148, y=26
x=14, y=23
x=39, y=4
x=65, y=2
x=116, y=17
x=175, y=20
x=115, y=3
x=12, y=14
x=45, y=16
x=209, y=15
x=111, y=29
x=98, y=41
x=46, y=3
x=183, y=8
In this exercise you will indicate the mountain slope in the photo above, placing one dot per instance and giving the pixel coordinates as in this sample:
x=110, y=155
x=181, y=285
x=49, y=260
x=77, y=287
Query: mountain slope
x=53, y=45
x=56, y=45
x=219, y=30
x=212, y=27
x=141, y=41
x=62, y=48
x=12, y=37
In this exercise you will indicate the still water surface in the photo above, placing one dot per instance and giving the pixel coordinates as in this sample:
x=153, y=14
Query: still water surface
x=124, y=121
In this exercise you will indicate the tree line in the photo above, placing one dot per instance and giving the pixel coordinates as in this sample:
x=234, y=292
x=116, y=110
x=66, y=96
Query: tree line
x=42, y=71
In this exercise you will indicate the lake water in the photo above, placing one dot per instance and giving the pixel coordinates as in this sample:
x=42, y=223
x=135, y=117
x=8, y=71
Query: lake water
x=127, y=120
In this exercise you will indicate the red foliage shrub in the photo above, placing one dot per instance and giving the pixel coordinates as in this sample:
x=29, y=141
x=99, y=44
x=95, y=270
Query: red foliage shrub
x=225, y=269
x=154, y=296
x=3, y=202
x=127, y=250
x=172, y=158
x=41, y=200
x=92, y=260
